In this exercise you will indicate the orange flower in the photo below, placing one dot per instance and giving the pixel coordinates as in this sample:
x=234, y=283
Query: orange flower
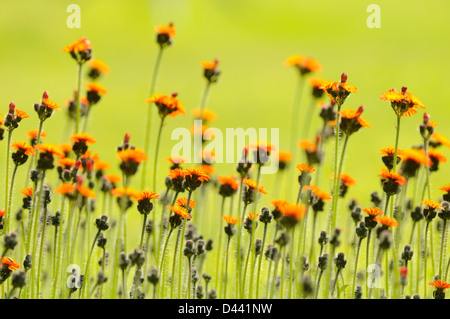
x=112, y=178
x=390, y=150
x=432, y=204
x=166, y=29
x=252, y=215
x=351, y=121
x=177, y=173
x=183, y=202
x=439, y=139
x=86, y=191
x=129, y=191
x=51, y=104
x=386, y=221
x=96, y=88
x=180, y=211
x=278, y=203
x=65, y=147
x=132, y=155
x=27, y=192
x=437, y=156
x=65, y=189
x=33, y=134
x=2, y=213
x=205, y=115
x=209, y=65
x=393, y=177
x=102, y=165
x=284, y=156
x=208, y=169
x=304, y=64
x=415, y=155
x=373, y=211
x=252, y=185
x=146, y=195
x=259, y=147
x=229, y=180
x=318, y=192
x=197, y=174
x=291, y=210
x=167, y=105
x=305, y=168
x=21, y=114
x=348, y=180
x=339, y=91
x=11, y=263
x=79, y=45
x=440, y=285
x=82, y=138
x=176, y=160
x=230, y=219
x=66, y=162
x=50, y=148
x=308, y=146
x=99, y=65
x=445, y=188
x=23, y=147
x=403, y=103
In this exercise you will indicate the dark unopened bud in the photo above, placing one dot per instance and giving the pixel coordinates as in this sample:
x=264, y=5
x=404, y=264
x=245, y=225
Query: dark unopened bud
x=189, y=249
x=12, y=107
x=123, y=261
x=137, y=257
x=308, y=286
x=206, y=277
x=258, y=246
x=385, y=240
x=323, y=239
x=27, y=262
x=323, y=262
x=201, y=247
x=340, y=261
x=45, y=95
x=361, y=231
x=194, y=276
x=265, y=216
x=212, y=294
x=199, y=292
x=407, y=253
x=358, y=292
x=153, y=276
x=18, y=279
x=101, y=241
x=102, y=223
x=10, y=241
x=209, y=245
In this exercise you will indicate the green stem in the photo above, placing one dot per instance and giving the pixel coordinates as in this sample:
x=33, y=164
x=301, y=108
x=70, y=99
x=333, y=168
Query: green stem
x=225, y=281
x=356, y=266
x=77, y=121
x=41, y=253
x=58, y=250
x=425, y=282
x=258, y=276
x=367, y=261
x=180, y=268
x=219, y=246
x=161, y=263
x=291, y=258
x=86, y=270
x=7, y=213
x=143, y=232
x=148, y=126
x=443, y=247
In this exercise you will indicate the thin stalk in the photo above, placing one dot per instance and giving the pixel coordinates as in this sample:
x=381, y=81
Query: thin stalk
x=225, y=281
x=443, y=247
x=13, y=178
x=275, y=271
x=143, y=232
x=335, y=281
x=172, y=281
x=283, y=262
x=86, y=270
x=41, y=253
x=291, y=258
x=155, y=173
x=425, y=282
x=181, y=250
x=258, y=177
x=148, y=126
x=219, y=246
x=188, y=292
x=367, y=261
x=258, y=276
x=317, y=288
x=58, y=250
x=77, y=120
x=161, y=263
x=250, y=246
x=238, y=248
x=356, y=265
x=7, y=214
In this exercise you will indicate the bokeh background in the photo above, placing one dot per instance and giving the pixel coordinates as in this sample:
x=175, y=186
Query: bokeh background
x=251, y=39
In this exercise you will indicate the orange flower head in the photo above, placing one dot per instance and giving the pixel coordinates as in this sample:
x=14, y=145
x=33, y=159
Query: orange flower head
x=86, y=191
x=11, y=263
x=2, y=213
x=176, y=161
x=440, y=285
x=403, y=103
x=132, y=155
x=167, y=105
x=66, y=162
x=33, y=134
x=79, y=45
x=99, y=65
x=445, y=188
x=318, y=192
x=393, y=177
x=284, y=156
x=304, y=64
x=373, y=211
x=317, y=85
x=209, y=65
x=432, y=204
x=166, y=29
x=252, y=185
x=82, y=138
x=129, y=191
x=347, y=180
x=308, y=146
x=339, y=91
x=102, y=165
x=435, y=158
x=351, y=121
x=230, y=219
x=305, y=168
x=27, y=192
x=386, y=221
x=65, y=189
x=95, y=87
x=180, y=211
x=196, y=174
x=50, y=104
x=50, y=148
x=437, y=139
x=23, y=147
x=205, y=115
x=228, y=185
x=112, y=178
x=182, y=201
x=292, y=210
x=21, y=114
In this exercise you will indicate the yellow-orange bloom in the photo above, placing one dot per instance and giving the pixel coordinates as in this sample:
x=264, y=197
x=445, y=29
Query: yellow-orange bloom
x=10, y=263
x=82, y=138
x=305, y=168
x=65, y=189
x=318, y=192
x=183, y=202
x=27, y=192
x=296, y=211
x=167, y=105
x=51, y=104
x=79, y=45
x=129, y=191
x=386, y=221
x=132, y=155
x=50, y=148
x=146, y=195
x=112, y=178
x=99, y=65
x=206, y=115
x=403, y=103
x=252, y=184
x=431, y=203
x=308, y=146
x=304, y=64
x=373, y=211
x=180, y=211
x=229, y=180
x=440, y=285
x=86, y=191
x=440, y=139
x=209, y=65
x=230, y=219
x=33, y=134
x=96, y=88
x=23, y=147
x=166, y=29
x=394, y=177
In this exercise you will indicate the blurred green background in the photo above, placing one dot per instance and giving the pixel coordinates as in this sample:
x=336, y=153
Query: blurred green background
x=252, y=39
